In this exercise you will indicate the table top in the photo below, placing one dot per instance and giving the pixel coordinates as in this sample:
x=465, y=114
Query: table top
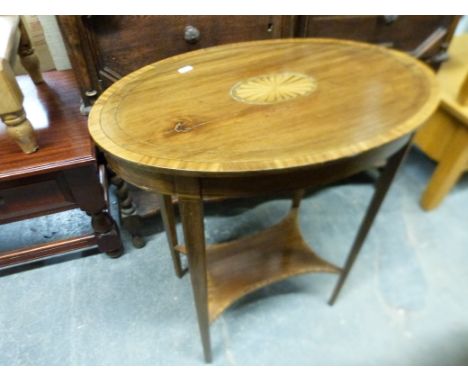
x=53, y=108
x=263, y=106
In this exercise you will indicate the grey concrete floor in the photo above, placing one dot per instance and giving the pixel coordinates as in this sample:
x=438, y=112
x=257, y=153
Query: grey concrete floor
x=405, y=302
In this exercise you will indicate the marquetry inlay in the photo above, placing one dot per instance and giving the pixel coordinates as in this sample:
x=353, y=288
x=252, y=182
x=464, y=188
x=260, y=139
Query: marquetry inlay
x=273, y=88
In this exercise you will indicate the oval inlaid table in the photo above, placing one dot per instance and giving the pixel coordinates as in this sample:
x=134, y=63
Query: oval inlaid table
x=258, y=118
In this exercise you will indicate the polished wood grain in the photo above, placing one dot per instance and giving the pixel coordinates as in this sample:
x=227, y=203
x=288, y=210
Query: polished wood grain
x=179, y=127
x=242, y=266
x=14, y=39
x=159, y=117
x=99, y=48
x=60, y=147
x=62, y=175
x=43, y=250
x=444, y=137
x=106, y=47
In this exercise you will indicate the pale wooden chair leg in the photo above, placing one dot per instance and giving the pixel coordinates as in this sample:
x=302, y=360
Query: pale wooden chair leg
x=12, y=112
x=21, y=131
x=448, y=171
x=28, y=58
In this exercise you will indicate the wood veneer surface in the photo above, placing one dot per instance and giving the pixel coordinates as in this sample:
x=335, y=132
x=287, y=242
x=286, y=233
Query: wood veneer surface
x=179, y=115
x=53, y=109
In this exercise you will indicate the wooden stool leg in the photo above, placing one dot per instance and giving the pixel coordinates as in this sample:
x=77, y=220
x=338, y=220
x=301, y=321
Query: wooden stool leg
x=168, y=218
x=129, y=218
x=87, y=192
x=451, y=166
x=28, y=58
x=21, y=131
x=11, y=110
x=383, y=184
x=194, y=233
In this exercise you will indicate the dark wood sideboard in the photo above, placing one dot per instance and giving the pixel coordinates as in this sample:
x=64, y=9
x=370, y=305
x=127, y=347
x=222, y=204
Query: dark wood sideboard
x=102, y=49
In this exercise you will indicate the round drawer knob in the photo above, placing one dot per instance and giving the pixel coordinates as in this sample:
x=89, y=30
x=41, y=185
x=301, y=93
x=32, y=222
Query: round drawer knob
x=191, y=34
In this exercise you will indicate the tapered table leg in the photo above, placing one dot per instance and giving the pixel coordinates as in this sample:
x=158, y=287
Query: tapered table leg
x=383, y=184
x=194, y=233
x=168, y=218
x=297, y=198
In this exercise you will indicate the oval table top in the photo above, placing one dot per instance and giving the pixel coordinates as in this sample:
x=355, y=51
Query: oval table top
x=263, y=106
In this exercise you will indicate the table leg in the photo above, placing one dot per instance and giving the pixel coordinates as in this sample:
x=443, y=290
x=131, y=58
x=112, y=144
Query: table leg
x=194, y=233
x=383, y=184
x=168, y=218
x=86, y=191
x=296, y=198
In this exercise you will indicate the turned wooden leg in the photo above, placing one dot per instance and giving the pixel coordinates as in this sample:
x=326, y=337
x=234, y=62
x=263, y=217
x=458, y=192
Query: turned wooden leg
x=168, y=218
x=383, y=184
x=21, y=131
x=87, y=192
x=451, y=166
x=12, y=112
x=194, y=233
x=28, y=58
x=129, y=217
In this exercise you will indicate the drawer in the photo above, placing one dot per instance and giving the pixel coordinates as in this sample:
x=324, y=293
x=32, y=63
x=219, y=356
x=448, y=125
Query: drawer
x=361, y=28
x=146, y=39
x=20, y=201
x=399, y=32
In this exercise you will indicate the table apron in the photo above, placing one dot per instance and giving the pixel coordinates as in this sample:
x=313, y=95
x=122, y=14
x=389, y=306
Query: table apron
x=251, y=184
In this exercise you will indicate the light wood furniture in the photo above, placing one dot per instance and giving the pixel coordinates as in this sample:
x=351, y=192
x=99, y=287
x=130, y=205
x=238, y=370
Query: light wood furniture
x=14, y=40
x=445, y=137
x=260, y=118
x=62, y=175
x=105, y=48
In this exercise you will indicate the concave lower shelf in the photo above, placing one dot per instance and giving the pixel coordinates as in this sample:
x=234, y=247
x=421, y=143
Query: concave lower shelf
x=239, y=267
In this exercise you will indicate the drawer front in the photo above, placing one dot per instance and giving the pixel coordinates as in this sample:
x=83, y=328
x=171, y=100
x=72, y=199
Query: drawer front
x=125, y=43
x=399, y=32
x=19, y=201
x=361, y=28
x=408, y=32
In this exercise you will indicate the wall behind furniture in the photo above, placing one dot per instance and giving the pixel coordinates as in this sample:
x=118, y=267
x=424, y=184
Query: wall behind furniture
x=55, y=42
x=462, y=26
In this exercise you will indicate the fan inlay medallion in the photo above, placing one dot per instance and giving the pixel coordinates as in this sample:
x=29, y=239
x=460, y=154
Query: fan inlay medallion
x=273, y=88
